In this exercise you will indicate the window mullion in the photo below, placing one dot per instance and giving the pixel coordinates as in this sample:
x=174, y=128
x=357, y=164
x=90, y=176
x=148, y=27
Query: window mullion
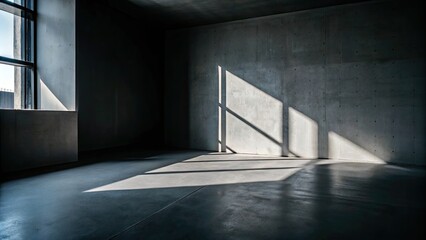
x=17, y=9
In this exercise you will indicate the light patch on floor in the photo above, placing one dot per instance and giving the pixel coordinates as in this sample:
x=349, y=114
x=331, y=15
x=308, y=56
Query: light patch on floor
x=216, y=169
x=227, y=165
x=170, y=180
x=212, y=169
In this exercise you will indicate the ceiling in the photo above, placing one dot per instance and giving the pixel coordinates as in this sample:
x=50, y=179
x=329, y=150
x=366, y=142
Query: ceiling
x=186, y=13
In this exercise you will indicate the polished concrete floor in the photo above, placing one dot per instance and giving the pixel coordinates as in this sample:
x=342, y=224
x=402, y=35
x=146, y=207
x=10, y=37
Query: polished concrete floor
x=200, y=195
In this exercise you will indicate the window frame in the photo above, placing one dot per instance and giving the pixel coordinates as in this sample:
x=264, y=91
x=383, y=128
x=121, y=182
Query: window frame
x=28, y=43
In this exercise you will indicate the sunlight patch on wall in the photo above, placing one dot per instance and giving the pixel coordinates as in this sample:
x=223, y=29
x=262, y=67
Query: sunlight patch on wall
x=221, y=114
x=48, y=100
x=342, y=148
x=253, y=118
x=303, y=134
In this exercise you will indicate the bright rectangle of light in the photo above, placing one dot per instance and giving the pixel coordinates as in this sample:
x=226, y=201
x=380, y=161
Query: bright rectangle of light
x=303, y=134
x=230, y=165
x=194, y=179
x=342, y=148
x=260, y=113
x=49, y=101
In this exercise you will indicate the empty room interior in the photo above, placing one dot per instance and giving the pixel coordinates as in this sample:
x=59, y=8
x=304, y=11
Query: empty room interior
x=212, y=119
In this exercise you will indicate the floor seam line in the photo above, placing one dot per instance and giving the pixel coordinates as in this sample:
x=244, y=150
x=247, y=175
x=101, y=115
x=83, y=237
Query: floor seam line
x=155, y=213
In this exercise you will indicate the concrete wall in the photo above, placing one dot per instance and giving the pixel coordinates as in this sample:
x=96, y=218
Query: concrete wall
x=119, y=72
x=56, y=54
x=30, y=139
x=345, y=82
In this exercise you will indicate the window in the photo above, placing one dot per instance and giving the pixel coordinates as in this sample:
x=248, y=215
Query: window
x=17, y=66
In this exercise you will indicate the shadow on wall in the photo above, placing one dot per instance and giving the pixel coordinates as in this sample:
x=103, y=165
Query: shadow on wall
x=252, y=121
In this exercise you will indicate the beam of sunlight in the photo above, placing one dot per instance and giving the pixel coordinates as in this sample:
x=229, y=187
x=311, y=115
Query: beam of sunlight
x=219, y=119
x=342, y=148
x=193, y=179
x=253, y=118
x=303, y=134
x=212, y=169
x=215, y=156
x=223, y=165
x=221, y=111
x=254, y=127
x=48, y=99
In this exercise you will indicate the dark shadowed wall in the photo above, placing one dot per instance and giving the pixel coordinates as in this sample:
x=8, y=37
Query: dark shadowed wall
x=344, y=82
x=119, y=72
x=30, y=139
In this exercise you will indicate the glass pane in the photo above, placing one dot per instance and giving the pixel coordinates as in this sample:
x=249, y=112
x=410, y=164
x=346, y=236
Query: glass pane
x=12, y=87
x=6, y=31
x=12, y=40
x=10, y=32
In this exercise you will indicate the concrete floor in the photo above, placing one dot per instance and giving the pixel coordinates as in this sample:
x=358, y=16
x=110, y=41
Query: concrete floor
x=200, y=195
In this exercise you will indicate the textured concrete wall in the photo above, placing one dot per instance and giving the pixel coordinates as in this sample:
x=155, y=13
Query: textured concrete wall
x=30, y=139
x=119, y=72
x=344, y=82
x=56, y=54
